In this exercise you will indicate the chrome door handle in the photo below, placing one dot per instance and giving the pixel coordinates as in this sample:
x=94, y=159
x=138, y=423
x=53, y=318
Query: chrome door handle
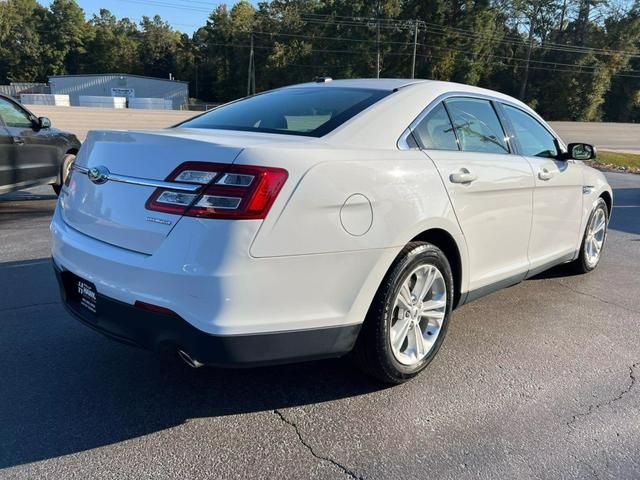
x=545, y=174
x=18, y=141
x=463, y=176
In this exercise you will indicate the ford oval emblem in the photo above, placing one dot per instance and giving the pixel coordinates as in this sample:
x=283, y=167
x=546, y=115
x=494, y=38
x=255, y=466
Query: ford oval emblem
x=98, y=175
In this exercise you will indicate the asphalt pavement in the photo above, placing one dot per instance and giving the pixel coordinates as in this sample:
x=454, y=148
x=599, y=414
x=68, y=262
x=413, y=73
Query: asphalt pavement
x=536, y=381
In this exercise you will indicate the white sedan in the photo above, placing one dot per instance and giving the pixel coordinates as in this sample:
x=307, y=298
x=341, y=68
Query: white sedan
x=321, y=218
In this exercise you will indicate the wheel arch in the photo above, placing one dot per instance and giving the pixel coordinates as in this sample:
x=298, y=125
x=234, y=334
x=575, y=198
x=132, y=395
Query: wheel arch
x=606, y=196
x=70, y=151
x=445, y=242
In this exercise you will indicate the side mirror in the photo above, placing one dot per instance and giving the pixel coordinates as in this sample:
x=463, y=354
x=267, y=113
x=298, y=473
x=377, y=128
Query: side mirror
x=581, y=151
x=44, y=122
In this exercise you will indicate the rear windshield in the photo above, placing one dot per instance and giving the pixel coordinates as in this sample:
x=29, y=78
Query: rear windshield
x=309, y=111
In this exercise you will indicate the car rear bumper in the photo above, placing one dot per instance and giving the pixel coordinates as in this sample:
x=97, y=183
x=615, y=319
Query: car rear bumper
x=204, y=273
x=155, y=331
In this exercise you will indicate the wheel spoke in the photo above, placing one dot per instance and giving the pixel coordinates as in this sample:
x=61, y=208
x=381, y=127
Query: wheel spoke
x=596, y=246
x=404, y=296
x=599, y=227
x=419, y=340
x=429, y=278
x=434, y=309
x=405, y=302
x=400, y=331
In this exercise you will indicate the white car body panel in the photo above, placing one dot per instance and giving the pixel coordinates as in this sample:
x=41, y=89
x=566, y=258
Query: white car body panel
x=557, y=209
x=352, y=200
x=233, y=295
x=494, y=212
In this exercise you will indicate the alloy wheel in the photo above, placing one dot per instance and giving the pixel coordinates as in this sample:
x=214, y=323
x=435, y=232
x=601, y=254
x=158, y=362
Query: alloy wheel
x=418, y=314
x=596, y=233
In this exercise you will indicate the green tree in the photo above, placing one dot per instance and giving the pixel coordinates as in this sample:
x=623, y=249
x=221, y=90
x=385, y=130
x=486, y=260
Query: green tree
x=65, y=33
x=157, y=49
x=21, y=51
x=114, y=46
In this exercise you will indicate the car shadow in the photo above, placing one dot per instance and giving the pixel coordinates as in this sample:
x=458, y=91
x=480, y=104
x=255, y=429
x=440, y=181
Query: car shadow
x=24, y=196
x=560, y=271
x=66, y=389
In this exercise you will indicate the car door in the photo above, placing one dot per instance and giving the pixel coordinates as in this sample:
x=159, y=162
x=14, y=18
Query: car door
x=489, y=187
x=7, y=159
x=35, y=151
x=557, y=198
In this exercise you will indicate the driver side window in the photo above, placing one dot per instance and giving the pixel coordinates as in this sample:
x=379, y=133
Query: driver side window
x=13, y=116
x=534, y=139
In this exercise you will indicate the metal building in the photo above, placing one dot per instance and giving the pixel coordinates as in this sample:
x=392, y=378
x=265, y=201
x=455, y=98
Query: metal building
x=121, y=85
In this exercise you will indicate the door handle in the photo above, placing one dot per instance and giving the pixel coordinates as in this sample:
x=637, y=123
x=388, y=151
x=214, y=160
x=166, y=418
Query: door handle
x=18, y=141
x=545, y=174
x=463, y=176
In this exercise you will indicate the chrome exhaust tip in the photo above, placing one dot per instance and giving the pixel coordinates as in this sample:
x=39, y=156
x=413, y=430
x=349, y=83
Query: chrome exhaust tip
x=186, y=358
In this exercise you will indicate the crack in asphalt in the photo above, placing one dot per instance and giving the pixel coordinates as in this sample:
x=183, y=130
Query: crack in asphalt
x=33, y=305
x=597, y=406
x=608, y=302
x=344, y=469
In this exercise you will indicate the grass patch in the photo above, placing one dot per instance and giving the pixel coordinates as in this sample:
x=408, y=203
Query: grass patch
x=629, y=160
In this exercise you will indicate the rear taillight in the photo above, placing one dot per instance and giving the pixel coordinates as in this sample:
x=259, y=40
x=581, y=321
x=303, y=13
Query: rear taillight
x=228, y=191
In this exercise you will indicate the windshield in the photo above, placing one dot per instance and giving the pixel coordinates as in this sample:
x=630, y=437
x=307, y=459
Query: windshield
x=309, y=111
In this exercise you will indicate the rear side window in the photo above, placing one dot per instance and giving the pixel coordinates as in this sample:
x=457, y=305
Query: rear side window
x=533, y=138
x=309, y=111
x=477, y=125
x=14, y=116
x=435, y=130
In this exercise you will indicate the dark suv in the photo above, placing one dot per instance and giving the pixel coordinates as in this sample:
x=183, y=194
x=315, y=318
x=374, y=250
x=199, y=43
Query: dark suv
x=31, y=152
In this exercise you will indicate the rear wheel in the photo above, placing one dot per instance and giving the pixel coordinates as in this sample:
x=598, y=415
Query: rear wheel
x=594, y=238
x=65, y=170
x=408, y=318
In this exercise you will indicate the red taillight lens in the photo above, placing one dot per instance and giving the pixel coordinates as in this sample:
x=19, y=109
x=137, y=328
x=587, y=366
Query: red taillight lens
x=228, y=191
x=154, y=308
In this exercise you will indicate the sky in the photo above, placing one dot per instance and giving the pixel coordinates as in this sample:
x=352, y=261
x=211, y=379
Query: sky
x=183, y=15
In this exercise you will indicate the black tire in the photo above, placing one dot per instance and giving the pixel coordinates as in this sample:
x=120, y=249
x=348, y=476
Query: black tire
x=373, y=352
x=65, y=169
x=581, y=264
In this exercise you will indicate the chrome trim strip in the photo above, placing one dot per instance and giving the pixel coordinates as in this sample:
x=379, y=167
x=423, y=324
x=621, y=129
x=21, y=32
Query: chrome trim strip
x=402, y=141
x=145, y=182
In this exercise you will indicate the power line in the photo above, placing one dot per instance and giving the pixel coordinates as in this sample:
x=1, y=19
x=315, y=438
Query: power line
x=351, y=52
x=437, y=28
x=552, y=63
x=387, y=23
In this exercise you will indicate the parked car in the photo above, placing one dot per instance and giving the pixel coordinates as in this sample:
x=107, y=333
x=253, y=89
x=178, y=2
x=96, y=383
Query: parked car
x=308, y=221
x=31, y=151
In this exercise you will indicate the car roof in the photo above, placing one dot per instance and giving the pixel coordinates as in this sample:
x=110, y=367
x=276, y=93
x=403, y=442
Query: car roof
x=383, y=123
x=389, y=84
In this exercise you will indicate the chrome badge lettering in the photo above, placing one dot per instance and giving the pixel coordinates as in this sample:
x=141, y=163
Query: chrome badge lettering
x=158, y=220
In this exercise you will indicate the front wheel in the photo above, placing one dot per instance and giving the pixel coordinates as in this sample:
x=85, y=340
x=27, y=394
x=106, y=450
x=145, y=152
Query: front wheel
x=65, y=170
x=594, y=238
x=408, y=318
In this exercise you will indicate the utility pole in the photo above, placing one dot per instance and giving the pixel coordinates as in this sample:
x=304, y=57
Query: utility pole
x=523, y=87
x=197, y=91
x=378, y=48
x=251, y=75
x=415, y=47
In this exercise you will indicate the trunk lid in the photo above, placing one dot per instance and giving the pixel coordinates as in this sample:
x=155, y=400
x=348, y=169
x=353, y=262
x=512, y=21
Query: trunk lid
x=115, y=212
